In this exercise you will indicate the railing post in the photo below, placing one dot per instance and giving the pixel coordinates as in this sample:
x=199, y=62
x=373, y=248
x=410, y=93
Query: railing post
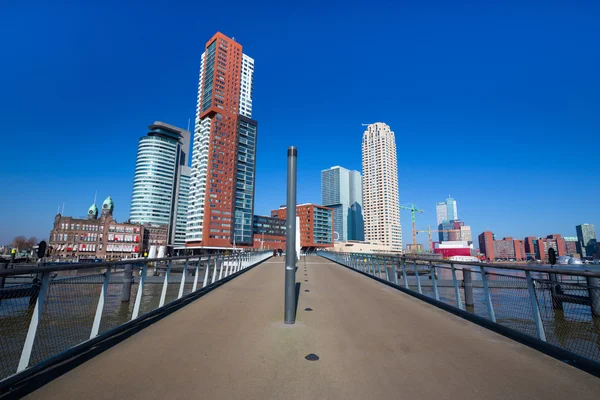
x=594, y=295
x=372, y=266
x=535, y=307
x=100, y=306
x=456, y=290
x=227, y=264
x=140, y=291
x=404, y=273
x=379, y=267
x=434, y=281
x=395, y=271
x=221, y=267
x=183, y=276
x=33, y=324
x=127, y=278
x=417, y=276
x=206, y=272
x=468, y=285
x=488, y=296
x=214, y=276
x=163, y=295
x=3, y=265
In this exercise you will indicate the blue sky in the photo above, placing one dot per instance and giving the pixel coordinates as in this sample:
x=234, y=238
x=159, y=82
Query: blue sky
x=497, y=104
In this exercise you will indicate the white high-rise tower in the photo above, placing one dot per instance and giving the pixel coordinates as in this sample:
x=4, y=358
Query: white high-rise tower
x=381, y=203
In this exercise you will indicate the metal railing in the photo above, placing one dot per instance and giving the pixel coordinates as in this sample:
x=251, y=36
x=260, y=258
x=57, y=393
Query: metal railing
x=556, y=305
x=48, y=309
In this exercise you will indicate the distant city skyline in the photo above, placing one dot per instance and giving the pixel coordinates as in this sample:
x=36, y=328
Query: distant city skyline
x=490, y=93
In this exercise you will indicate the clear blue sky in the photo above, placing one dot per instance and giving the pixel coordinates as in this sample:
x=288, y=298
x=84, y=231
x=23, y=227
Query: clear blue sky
x=495, y=104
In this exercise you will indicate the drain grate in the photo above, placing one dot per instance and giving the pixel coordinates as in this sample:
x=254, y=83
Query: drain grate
x=308, y=309
x=312, y=357
x=307, y=290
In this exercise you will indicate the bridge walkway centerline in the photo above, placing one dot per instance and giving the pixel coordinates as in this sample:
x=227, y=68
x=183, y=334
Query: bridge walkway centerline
x=373, y=342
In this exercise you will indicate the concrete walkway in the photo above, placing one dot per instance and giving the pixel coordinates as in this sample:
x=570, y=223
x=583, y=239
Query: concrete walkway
x=373, y=342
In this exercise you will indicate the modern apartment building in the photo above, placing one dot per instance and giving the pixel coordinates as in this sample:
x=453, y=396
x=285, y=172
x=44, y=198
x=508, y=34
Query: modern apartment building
x=571, y=243
x=586, y=235
x=506, y=249
x=341, y=190
x=269, y=233
x=161, y=182
x=381, y=203
x=316, y=225
x=221, y=192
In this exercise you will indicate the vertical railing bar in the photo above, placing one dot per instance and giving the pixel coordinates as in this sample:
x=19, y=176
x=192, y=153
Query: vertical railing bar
x=404, y=273
x=197, y=272
x=456, y=290
x=535, y=307
x=488, y=296
x=140, y=291
x=33, y=324
x=100, y=306
x=433, y=279
x=183, y=277
x=395, y=271
x=379, y=267
x=221, y=262
x=163, y=295
x=214, y=277
x=418, y=280
x=206, y=272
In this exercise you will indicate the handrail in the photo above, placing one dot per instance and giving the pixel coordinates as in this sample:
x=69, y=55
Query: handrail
x=533, y=304
x=214, y=269
x=559, y=271
x=80, y=266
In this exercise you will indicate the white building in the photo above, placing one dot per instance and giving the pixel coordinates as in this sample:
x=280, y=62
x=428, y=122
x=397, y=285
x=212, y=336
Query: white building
x=161, y=180
x=381, y=204
x=341, y=189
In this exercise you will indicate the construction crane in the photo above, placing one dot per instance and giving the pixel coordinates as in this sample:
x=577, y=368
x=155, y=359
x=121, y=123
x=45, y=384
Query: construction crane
x=435, y=230
x=413, y=209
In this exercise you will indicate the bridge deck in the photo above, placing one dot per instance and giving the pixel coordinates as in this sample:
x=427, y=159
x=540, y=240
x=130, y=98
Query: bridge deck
x=373, y=342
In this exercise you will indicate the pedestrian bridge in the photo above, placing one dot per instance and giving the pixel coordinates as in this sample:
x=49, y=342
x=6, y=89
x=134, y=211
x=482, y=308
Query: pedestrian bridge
x=372, y=341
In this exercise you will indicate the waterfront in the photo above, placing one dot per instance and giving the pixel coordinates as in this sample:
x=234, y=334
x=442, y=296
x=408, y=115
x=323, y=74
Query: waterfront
x=72, y=302
x=69, y=314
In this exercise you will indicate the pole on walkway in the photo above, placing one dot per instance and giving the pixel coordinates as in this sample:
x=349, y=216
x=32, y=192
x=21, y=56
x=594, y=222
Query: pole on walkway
x=290, y=239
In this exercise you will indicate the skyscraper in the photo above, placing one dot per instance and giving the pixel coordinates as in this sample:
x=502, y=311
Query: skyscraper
x=381, y=206
x=446, y=213
x=161, y=179
x=451, y=209
x=341, y=189
x=441, y=212
x=586, y=238
x=221, y=193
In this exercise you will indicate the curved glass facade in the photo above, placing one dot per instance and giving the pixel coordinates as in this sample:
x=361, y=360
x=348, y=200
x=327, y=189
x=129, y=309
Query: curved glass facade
x=154, y=180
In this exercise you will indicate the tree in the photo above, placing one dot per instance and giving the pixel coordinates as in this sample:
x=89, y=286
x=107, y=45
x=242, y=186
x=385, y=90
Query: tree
x=19, y=242
x=32, y=241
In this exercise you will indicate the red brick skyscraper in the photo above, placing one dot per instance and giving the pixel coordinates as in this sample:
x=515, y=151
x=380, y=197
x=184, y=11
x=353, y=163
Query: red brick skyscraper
x=221, y=202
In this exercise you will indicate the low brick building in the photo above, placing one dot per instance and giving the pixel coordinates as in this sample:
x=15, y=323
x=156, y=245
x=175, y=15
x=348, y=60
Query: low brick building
x=269, y=233
x=96, y=236
x=316, y=225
